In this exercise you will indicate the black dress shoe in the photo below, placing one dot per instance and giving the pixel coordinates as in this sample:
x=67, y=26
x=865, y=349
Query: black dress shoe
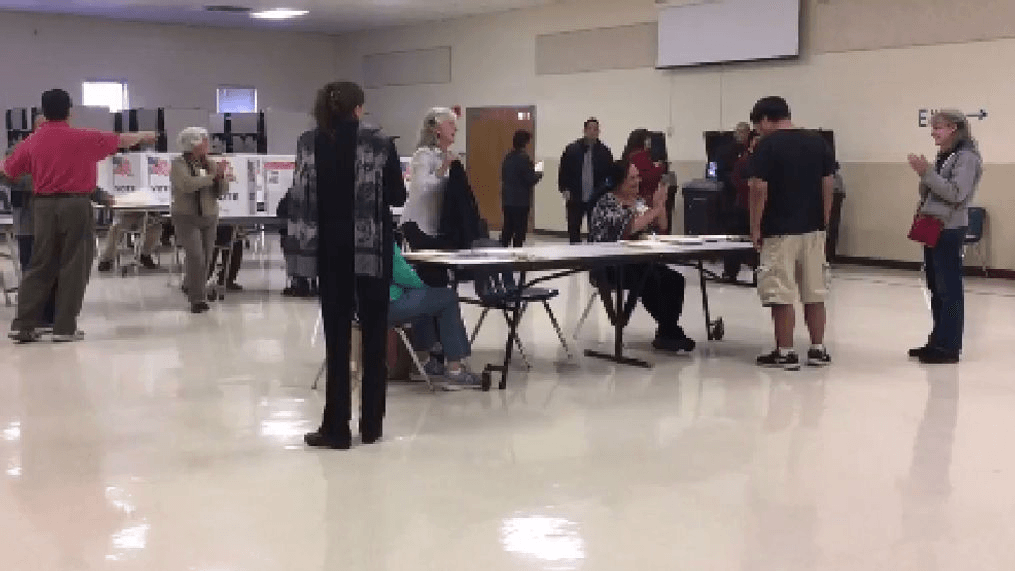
x=200, y=307
x=105, y=265
x=233, y=286
x=935, y=356
x=320, y=439
x=147, y=262
x=917, y=351
x=676, y=344
x=370, y=432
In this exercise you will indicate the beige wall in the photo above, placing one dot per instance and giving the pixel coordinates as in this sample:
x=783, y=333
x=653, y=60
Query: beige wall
x=846, y=80
x=164, y=66
x=870, y=97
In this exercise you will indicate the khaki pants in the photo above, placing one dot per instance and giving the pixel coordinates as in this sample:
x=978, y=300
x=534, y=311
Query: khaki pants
x=791, y=266
x=197, y=236
x=61, y=255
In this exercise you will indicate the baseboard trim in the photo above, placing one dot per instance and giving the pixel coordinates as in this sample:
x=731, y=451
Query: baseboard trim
x=876, y=263
x=551, y=233
x=971, y=271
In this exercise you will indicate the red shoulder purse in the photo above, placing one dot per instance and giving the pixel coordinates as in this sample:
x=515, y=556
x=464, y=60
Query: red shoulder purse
x=926, y=230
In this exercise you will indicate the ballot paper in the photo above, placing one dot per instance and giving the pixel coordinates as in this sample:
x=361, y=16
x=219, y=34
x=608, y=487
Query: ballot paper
x=540, y=166
x=137, y=199
x=680, y=240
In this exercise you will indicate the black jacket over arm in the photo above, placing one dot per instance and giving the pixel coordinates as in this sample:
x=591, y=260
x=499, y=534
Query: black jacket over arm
x=461, y=223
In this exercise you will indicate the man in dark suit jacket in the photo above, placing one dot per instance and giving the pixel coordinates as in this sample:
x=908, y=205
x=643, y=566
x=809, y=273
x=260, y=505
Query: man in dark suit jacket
x=585, y=166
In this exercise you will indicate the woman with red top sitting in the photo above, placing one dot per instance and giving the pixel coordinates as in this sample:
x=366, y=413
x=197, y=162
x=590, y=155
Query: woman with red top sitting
x=638, y=152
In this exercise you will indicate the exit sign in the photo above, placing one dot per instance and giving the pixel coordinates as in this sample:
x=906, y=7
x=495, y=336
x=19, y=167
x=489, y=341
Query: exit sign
x=926, y=114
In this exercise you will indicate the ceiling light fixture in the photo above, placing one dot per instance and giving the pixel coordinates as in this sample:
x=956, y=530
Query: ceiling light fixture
x=227, y=8
x=278, y=14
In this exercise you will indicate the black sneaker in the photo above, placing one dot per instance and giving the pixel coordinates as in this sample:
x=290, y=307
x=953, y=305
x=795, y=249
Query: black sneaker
x=674, y=344
x=818, y=357
x=935, y=356
x=790, y=361
x=105, y=265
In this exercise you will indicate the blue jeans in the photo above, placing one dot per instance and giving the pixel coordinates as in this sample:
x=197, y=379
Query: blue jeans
x=25, y=246
x=420, y=307
x=944, y=279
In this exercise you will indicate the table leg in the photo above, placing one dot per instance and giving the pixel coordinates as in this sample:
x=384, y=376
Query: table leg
x=622, y=314
x=715, y=329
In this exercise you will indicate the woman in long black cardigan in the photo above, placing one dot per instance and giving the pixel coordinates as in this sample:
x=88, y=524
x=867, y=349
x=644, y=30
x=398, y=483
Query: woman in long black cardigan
x=358, y=179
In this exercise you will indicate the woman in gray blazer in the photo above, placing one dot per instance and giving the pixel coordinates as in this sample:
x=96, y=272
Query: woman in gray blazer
x=197, y=185
x=947, y=186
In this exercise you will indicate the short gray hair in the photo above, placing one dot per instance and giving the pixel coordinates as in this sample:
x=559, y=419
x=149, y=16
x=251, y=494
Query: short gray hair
x=434, y=117
x=191, y=137
x=958, y=119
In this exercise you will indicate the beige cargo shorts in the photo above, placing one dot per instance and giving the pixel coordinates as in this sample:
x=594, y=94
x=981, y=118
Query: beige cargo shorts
x=793, y=267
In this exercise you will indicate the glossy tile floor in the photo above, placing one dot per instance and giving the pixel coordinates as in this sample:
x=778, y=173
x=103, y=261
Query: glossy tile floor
x=168, y=441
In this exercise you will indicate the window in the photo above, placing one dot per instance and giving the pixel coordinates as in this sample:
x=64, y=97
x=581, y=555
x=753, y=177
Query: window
x=236, y=100
x=112, y=94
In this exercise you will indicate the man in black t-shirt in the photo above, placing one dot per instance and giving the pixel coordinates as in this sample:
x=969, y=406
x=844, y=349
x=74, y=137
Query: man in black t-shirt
x=790, y=203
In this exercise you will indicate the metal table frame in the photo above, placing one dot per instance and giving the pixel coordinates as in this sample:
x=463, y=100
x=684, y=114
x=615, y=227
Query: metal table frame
x=564, y=260
x=148, y=211
x=7, y=226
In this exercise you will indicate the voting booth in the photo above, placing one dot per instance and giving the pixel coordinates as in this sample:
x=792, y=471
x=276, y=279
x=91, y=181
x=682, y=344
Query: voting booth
x=279, y=172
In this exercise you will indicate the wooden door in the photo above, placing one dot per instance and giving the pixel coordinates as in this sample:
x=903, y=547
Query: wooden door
x=489, y=131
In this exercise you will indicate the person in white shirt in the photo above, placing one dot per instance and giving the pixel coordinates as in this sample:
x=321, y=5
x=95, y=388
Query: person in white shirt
x=429, y=175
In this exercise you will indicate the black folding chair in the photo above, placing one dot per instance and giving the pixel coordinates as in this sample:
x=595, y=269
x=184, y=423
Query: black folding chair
x=974, y=236
x=498, y=291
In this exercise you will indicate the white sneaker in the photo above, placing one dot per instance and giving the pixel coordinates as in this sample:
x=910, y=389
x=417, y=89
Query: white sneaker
x=27, y=336
x=68, y=338
x=463, y=379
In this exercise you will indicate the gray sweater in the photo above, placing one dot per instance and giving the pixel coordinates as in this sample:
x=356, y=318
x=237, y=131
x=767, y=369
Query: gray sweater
x=945, y=192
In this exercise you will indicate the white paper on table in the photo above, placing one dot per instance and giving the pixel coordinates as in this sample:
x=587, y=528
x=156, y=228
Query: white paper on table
x=138, y=198
x=681, y=240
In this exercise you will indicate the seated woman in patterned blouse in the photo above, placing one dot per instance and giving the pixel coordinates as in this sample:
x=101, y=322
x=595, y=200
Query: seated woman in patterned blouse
x=621, y=214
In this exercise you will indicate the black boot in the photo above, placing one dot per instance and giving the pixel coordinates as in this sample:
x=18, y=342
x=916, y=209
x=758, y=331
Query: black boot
x=935, y=356
x=340, y=439
x=371, y=431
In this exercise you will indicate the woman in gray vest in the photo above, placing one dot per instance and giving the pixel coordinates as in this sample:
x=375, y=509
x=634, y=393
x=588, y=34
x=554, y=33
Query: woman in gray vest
x=197, y=184
x=946, y=188
x=348, y=176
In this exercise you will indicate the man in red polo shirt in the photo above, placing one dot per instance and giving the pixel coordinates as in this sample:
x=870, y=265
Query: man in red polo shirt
x=62, y=161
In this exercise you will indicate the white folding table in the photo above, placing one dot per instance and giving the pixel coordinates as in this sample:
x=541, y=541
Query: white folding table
x=562, y=260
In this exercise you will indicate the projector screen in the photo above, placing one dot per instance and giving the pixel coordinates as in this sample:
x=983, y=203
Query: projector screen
x=716, y=31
